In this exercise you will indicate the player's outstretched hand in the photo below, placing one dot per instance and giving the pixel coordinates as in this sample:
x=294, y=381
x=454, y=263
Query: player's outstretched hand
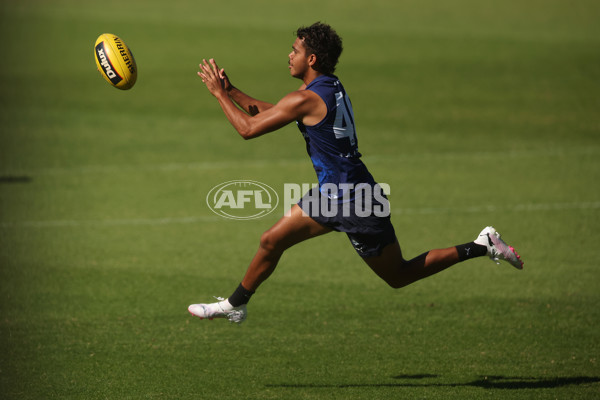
x=214, y=78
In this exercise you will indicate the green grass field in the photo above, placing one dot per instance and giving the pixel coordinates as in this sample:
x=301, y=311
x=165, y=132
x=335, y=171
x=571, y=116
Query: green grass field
x=474, y=112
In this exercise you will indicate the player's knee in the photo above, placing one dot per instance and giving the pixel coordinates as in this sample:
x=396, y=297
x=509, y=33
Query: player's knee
x=404, y=276
x=397, y=283
x=396, y=277
x=269, y=242
x=401, y=278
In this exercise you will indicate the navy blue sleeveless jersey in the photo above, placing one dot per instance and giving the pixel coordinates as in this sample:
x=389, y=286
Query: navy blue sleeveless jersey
x=332, y=144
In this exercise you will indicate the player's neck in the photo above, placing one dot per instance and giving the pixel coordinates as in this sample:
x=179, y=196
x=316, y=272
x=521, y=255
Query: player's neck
x=310, y=76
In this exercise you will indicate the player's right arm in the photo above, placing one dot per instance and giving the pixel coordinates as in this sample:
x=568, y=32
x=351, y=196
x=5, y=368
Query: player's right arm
x=249, y=104
x=302, y=105
x=294, y=106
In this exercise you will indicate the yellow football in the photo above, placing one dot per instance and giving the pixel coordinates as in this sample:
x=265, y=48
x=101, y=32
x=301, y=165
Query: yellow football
x=115, y=61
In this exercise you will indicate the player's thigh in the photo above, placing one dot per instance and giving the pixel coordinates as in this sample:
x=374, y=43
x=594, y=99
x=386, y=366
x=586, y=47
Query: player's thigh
x=292, y=228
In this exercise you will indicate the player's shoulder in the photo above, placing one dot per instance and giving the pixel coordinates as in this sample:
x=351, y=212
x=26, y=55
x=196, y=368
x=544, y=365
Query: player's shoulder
x=300, y=96
x=302, y=104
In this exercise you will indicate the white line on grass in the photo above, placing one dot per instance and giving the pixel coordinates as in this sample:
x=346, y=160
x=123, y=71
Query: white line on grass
x=211, y=165
x=493, y=208
x=109, y=222
x=530, y=207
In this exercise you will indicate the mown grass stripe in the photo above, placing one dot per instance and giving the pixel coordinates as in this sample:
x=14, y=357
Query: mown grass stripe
x=530, y=207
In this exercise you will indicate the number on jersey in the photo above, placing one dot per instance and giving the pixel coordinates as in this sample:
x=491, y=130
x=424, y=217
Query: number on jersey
x=344, y=118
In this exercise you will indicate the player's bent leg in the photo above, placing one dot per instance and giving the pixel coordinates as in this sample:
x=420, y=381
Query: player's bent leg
x=288, y=231
x=398, y=272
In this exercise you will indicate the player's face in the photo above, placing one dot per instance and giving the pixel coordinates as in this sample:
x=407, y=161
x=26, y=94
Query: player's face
x=298, y=59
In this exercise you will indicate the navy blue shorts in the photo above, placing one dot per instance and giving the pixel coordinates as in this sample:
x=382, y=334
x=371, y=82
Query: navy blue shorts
x=368, y=232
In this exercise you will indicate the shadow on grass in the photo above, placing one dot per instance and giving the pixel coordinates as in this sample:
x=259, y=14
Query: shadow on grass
x=504, y=382
x=486, y=382
x=15, y=179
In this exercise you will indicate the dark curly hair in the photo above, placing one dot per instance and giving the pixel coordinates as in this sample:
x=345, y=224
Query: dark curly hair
x=321, y=40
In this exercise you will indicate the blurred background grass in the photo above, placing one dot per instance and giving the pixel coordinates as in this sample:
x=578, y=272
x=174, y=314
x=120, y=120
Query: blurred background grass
x=474, y=112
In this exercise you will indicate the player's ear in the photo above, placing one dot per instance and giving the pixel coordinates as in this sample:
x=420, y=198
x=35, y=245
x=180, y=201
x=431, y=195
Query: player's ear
x=312, y=60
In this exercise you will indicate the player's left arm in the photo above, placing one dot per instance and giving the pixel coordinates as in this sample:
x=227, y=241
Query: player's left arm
x=292, y=107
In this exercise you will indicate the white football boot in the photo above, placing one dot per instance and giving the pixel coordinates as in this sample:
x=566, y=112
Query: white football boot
x=221, y=309
x=497, y=249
